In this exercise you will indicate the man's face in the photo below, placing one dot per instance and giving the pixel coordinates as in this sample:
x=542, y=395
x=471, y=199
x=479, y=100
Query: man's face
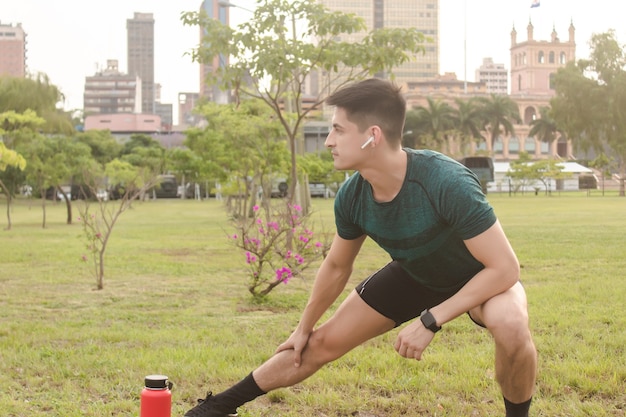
x=345, y=141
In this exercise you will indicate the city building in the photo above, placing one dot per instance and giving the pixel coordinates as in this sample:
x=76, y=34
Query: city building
x=140, y=44
x=186, y=103
x=213, y=10
x=163, y=110
x=534, y=64
x=420, y=14
x=124, y=123
x=444, y=87
x=495, y=76
x=165, y=113
x=111, y=91
x=12, y=50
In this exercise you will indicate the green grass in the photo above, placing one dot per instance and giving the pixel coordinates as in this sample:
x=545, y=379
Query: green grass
x=174, y=302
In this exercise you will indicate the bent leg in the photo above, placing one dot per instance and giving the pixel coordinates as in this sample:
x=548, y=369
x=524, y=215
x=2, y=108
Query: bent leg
x=353, y=323
x=506, y=317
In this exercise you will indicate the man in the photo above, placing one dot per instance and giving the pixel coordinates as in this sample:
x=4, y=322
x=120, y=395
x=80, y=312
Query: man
x=449, y=254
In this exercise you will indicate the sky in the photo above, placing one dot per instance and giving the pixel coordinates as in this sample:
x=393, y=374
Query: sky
x=71, y=39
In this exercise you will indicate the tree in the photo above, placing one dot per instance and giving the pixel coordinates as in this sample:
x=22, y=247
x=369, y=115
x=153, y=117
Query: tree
x=591, y=98
x=602, y=163
x=320, y=168
x=248, y=144
x=546, y=170
x=499, y=113
x=45, y=168
x=524, y=172
x=272, y=63
x=9, y=158
x=467, y=121
x=104, y=147
x=14, y=129
x=521, y=173
x=545, y=127
x=434, y=121
x=37, y=94
x=98, y=223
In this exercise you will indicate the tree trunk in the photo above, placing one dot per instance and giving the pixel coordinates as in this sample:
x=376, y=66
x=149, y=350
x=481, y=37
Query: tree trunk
x=622, y=179
x=8, y=194
x=43, y=208
x=68, y=204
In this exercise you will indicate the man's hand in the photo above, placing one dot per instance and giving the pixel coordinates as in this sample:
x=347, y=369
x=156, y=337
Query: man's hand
x=413, y=340
x=297, y=341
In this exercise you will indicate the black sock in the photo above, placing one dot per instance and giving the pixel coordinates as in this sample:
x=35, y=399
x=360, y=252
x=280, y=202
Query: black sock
x=239, y=394
x=517, y=410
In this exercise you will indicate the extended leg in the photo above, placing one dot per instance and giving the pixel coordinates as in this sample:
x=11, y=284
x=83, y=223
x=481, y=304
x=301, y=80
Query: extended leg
x=353, y=323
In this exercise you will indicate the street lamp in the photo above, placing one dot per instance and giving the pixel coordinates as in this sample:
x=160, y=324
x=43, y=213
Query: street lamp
x=227, y=3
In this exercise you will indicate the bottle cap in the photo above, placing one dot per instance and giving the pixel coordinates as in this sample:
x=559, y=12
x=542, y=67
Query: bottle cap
x=156, y=381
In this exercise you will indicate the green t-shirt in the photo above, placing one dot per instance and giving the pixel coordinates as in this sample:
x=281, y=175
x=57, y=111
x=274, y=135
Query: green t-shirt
x=439, y=205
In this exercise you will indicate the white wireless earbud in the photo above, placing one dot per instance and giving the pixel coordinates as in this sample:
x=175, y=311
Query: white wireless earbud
x=370, y=140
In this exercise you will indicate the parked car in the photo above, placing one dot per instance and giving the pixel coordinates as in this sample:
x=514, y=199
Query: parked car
x=167, y=187
x=319, y=189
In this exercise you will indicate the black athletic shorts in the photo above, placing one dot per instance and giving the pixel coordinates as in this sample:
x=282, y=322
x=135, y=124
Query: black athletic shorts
x=393, y=293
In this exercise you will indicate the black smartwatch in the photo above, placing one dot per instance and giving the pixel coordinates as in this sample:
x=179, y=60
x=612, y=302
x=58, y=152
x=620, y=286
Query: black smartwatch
x=428, y=320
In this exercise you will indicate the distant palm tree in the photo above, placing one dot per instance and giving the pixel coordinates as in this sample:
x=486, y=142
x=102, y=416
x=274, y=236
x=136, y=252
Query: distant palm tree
x=499, y=113
x=433, y=121
x=545, y=128
x=468, y=121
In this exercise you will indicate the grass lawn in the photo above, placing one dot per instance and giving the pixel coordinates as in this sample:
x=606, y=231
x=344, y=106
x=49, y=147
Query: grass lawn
x=175, y=302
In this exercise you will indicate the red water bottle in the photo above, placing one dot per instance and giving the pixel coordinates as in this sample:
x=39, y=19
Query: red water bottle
x=156, y=397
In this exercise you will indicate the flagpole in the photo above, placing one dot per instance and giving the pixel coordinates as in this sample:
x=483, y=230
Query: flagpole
x=465, y=46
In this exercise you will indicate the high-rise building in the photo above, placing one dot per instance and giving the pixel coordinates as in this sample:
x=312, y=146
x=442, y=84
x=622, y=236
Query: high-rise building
x=109, y=91
x=213, y=93
x=140, y=39
x=420, y=14
x=12, y=50
x=495, y=76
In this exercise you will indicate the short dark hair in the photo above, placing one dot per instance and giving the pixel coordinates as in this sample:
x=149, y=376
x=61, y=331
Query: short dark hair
x=373, y=102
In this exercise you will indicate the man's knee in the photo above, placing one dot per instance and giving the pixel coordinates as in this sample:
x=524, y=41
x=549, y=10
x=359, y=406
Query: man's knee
x=321, y=348
x=506, y=317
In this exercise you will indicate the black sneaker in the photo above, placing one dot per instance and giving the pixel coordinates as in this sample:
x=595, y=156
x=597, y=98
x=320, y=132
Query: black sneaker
x=207, y=408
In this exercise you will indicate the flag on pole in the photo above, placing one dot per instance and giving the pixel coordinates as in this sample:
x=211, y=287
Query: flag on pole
x=535, y=3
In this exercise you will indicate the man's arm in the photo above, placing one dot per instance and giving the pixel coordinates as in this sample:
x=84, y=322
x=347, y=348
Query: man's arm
x=330, y=280
x=501, y=272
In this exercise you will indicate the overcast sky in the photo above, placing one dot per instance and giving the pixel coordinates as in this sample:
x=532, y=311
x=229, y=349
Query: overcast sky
x=71, y=39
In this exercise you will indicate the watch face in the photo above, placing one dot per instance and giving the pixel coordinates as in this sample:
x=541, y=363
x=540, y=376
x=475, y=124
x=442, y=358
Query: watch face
x=429, y=321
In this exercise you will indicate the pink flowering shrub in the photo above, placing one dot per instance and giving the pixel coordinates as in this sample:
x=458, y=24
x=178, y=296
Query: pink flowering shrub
x=278, y=246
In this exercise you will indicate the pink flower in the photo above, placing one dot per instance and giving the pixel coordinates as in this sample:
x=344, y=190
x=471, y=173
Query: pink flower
x=318, y=244
x=250, y=258
x=284, y=274
x=255, y=208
